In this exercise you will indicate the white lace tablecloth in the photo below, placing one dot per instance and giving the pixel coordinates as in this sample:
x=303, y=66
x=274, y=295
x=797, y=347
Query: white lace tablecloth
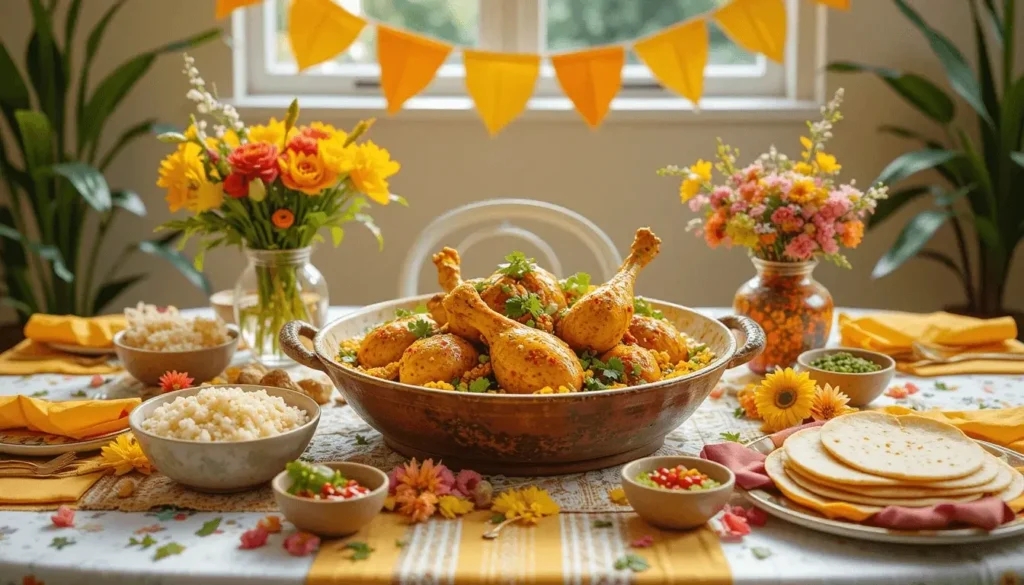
x=101, y=553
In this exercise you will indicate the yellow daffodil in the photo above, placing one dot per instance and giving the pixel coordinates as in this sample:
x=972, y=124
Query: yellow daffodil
x=526, y=505
x=784, y=398
x=124, y=454
x=452, y=506
x=699, y=174
x=368, y=166
x=827, y=163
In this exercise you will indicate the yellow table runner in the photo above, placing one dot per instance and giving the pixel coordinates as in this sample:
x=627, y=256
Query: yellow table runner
x=559, y=547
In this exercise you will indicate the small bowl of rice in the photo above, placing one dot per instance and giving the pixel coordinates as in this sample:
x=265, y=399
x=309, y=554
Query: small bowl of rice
x=158, y=340
x=225, y=438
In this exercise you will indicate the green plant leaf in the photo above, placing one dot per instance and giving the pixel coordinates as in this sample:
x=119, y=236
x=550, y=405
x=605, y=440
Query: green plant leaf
x=209, y=527
x=92, y=45
x=44, y=63
x=1012, y=116
x=13, y=91
x=129, y=201
x=1018, y=157
x=110, y=291
x=914, y=162
x=989, y=134
x=988, y=231
x=948, y=198
x=959, y=72
x=144, y=128
x=914, y=236
x=924, y=95
x=37, y=147
x=70, y=22
x=896, y=200
x=179, y=261
x=47, y=252
x=88, y=181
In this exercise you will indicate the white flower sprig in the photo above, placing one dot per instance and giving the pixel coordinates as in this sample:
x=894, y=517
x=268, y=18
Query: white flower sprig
x=207, y=102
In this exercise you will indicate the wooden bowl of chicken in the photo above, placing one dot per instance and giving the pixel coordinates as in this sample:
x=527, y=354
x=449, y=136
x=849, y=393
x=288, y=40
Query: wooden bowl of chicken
x=584, y=394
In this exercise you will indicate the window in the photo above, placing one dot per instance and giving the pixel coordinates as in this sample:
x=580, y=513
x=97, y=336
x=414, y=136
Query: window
x=265, y=66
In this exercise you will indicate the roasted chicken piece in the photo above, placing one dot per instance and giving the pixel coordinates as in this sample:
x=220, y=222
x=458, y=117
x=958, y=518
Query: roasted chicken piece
x=449, y=276
x=659, y=335
x=524, y=359
x=438, y=358
x=640, y=365
x=599, y=319
x=386, y=343
x=435, y=306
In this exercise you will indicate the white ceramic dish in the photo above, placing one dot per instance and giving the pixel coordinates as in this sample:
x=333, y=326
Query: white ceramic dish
x=334, y=518
x=783, y=508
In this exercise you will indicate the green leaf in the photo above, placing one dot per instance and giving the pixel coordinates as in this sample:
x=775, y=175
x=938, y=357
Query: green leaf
x=987, y=231
x=519, y=306
x=179, y=261
x=360, y=550
x=894, y=202
x=88, y=181
x=924, y=95
x=633, y=562
x=129, y=201
x=914, y=162
x=44, y=63
x=480, y=385
x=209, y=527
x=37, y=138
x=948, y=198
x=421, y=328
x=111, y=289
x=47, y=252
x=13, y=91
x=642, y=306
x=910, y=135
x=146, y=541
x=578, y=284
x=959, y=72
x=516, y=265
x=733, y=437
x=92, y=45
x=603, y=524
x=337, y=235
x=144, y=128
x=59, y=542
x=1018, y=157
x=914, y=236
x=70, y=23
x=990, y=140
x=761, y=553
x=169, y=549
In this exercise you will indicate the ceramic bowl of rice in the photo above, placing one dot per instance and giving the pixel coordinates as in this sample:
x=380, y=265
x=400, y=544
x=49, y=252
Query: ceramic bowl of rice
x=225, y=438
x=159, y=340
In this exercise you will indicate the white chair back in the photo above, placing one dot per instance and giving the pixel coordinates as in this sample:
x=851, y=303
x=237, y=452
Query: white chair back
x=494, y=218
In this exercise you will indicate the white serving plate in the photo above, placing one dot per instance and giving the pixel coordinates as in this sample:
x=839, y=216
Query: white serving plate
x=781, y=507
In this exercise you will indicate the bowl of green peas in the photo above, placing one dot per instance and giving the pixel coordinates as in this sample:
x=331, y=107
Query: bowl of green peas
x=860, y=374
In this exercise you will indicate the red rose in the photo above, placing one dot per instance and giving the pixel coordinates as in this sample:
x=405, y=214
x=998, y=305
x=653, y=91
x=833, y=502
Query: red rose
x=236, y=185
x=255, y=160
x=304, y=144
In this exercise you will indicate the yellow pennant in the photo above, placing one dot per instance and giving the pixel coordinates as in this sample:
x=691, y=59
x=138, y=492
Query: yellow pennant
x=500, y=84
x=226, y=7
x=837, y=4
x=319, y=30
x=591, y=79
x=758, y=26
x=677, y=56
x=408, y=63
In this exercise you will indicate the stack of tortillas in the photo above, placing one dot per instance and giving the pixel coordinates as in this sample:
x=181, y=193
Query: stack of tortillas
x=854, y=465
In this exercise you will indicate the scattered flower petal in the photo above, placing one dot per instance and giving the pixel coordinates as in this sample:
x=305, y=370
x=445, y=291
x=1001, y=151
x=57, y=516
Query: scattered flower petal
x=254, y=538
x=301, y=544
x=271, y=524
x=618, y=496
x=643, y=542
x=64, y=518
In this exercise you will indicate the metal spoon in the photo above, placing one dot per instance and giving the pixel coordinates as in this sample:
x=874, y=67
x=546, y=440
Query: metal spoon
x=495, y=532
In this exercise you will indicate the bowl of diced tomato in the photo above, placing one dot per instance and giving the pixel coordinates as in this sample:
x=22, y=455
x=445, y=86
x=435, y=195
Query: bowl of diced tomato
x=330, y=499
x=677, y=492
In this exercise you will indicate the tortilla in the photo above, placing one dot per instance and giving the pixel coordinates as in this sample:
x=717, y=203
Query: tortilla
x=829, y=508
x=1016, y=487
x=901, y=447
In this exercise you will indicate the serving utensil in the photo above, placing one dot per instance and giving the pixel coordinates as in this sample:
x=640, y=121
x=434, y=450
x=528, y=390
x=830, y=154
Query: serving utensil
x=496, y=531
x=938, y=354
x=18, y=468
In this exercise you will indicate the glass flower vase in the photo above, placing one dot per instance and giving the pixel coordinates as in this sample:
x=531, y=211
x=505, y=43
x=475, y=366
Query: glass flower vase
x=277, y=286
x=794, y=310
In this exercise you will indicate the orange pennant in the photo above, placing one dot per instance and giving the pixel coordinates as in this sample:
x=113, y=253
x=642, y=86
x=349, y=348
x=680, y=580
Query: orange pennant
x=758, y=26
x=319, y=30
x=226, y=7
x=408, y=64
x=837, y=4
x=677, y=56
x=591, y=79
x=500, y=84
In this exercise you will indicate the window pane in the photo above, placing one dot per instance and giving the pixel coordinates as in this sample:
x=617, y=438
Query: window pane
x=453, y=21
x=577, y=24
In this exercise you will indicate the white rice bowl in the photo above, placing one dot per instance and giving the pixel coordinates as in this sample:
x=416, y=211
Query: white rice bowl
x=218, y=414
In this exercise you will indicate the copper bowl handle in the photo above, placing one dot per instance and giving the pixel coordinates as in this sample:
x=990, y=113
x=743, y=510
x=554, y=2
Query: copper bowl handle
x=292, y=344
x=755, y=339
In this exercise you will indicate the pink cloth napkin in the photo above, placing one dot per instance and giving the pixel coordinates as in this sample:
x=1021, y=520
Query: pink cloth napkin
x=748, y=465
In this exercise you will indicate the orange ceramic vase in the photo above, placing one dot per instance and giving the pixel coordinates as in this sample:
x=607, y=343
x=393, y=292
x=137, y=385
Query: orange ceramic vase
x=794, y=310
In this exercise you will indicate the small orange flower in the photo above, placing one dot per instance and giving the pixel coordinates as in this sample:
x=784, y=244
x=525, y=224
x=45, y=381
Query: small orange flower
x=283, y=219
x=853, y=233
x=175, y=380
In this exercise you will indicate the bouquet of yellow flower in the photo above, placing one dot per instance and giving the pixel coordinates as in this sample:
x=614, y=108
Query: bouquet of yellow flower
x=268, y=187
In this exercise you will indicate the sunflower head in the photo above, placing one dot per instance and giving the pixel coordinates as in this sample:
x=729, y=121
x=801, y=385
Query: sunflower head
x=784, y=398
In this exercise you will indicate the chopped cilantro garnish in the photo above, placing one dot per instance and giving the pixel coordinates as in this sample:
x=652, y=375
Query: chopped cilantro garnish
x=418, y=310
x=481, y=285
x=516, y=265
x=698, y=348
x=360, y=550
x=613, y=369
x=590, y=384
x=420, y=328
x=480, y=385
x=507, y=289
x=311, y=477
x=484, y=358
x=586, y=359
x=642, y=306
x=518, y=306
x=531, y=323
x=734, y=437
x=349, y=357
x=577, y=284
x=637, y=370
x=739, y=412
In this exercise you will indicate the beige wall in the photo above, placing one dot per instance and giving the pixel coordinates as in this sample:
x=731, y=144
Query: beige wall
x=607, y=175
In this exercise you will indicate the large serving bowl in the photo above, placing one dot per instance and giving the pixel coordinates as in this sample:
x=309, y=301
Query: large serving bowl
x=147, y=365
x=523, y=434
x=227, y=466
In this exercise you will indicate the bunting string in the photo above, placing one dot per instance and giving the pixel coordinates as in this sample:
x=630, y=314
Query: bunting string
x=501, y=84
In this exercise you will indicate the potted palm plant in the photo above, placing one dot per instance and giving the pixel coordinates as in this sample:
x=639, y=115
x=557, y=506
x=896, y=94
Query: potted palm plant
x=981, y=171
x=49, y=199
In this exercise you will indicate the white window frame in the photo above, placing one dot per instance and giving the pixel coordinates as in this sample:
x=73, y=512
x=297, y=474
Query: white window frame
x=518, y=26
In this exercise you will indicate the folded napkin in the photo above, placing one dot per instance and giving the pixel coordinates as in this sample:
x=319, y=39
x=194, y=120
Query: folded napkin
x=30, y=357
x=1002, y=426
x=987, y=513
x=76, y=419
x=73, y=330
x=29, y=491
x=894, y=333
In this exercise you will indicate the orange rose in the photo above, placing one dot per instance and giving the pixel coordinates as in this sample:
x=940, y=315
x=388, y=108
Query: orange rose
x=306, y=173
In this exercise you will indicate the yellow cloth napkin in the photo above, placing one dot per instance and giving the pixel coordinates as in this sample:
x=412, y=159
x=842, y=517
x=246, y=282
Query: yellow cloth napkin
x=555, y=551
x=30, y=357
x=1002, y=426
x=73, y=330
x=31, y=491
x=76, y=419
x=894, y=333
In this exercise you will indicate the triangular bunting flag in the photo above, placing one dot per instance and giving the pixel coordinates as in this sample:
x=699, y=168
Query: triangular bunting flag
x=837, y=4
x=500, y=84
x=226, y=7
x=408, y=64
x=319, y=30
x=591, y=79
x=758, y=26
x=677, y=56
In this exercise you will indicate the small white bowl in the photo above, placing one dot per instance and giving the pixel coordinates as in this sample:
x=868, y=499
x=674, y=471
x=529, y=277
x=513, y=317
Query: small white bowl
x=677, y=509
x=223, y=303
x=334, y=517
x=861, y=388
x=204, y=364
x=227, y=466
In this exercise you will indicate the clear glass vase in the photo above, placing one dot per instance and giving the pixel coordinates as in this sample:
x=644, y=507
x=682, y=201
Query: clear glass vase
x=276, y=287
x=794, y=310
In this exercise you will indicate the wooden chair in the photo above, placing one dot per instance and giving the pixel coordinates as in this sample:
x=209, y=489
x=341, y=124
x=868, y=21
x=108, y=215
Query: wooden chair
x=494, y=218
